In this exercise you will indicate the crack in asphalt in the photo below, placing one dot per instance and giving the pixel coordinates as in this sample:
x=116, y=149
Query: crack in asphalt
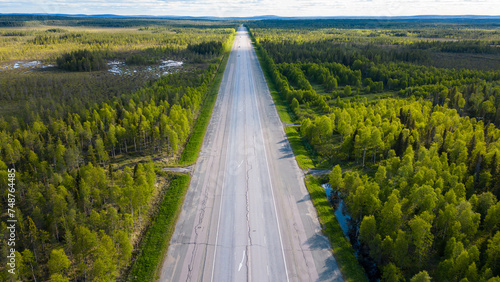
x=248, y=167
x=295, y=227
x=215, y=120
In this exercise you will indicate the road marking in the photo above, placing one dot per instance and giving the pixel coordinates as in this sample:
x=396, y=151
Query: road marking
x=218, y=224
x=240, y=163
x=271, y=184
x=231, y=74
x=242, y=259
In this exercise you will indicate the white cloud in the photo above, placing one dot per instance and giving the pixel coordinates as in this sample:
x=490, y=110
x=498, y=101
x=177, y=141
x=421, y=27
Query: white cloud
x=223, y=8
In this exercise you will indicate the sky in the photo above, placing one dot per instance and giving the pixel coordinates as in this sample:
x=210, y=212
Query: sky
x=247, y=8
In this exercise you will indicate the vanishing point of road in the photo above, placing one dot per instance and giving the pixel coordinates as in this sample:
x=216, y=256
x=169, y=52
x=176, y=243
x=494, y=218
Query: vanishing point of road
x=247, y=215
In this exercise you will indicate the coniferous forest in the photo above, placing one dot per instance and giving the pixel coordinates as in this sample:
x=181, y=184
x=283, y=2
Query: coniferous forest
x=404, y=116
x=90, y=112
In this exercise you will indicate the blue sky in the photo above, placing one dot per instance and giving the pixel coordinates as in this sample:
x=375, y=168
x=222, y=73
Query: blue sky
x=224, y=8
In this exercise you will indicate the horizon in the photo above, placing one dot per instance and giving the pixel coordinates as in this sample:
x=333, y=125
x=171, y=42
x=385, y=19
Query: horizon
x=263, y=16
x=255, y=8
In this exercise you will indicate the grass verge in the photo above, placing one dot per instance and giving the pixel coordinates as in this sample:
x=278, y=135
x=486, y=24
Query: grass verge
x=155, y=243
x=193, y=146
x=341, y=247
x=302, y=156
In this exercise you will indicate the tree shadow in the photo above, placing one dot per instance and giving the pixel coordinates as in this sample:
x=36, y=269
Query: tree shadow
x=305, y=198
x=318, y=242
x=330, y=271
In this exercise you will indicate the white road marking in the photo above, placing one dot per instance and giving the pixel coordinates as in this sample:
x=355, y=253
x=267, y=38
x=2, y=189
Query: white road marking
x=240, y=163
x=242, y=259
x=272, y=192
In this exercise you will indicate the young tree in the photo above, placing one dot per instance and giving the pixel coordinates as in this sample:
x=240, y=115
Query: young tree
x=294, y=105
x=493, y=254
x=422, y=235
x=105, y=265
x=336, y=181
x=347, y=90
x=391, y=273
x=102, y=154
x=84, y=247
x=58, y=262
x=422, y=276
x=112, y=138
x=391, y=216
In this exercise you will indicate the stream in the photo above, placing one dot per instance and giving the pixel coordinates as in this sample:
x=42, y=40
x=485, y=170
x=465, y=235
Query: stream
x=360, y=250
x=340, y=211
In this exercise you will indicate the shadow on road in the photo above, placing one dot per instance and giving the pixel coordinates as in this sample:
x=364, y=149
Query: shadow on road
x=304, y=199
x=330, y=271
x=317, y=242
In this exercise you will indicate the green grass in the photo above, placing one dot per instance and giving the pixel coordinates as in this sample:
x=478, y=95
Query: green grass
x=319, y=89
x=302, y=155
x=155, y=243
x=193, y=146
x=341, y=247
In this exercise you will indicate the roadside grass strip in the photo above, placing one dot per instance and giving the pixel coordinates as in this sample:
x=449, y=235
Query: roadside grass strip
x=156, y=241
x=341, y=247
x=299, y=150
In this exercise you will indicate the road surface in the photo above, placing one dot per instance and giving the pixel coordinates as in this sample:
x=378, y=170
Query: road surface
x=247, y=215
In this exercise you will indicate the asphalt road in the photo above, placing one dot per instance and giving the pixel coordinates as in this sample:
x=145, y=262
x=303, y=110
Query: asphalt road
x=247, y=215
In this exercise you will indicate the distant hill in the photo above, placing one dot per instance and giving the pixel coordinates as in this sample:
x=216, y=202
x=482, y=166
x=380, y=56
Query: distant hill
x=265, y=17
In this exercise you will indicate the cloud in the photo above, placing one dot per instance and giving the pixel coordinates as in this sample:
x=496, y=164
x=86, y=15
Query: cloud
x=223, y=8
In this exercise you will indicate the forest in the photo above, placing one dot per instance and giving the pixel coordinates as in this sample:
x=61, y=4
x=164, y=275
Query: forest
x=405, y=118
x=90, y=112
